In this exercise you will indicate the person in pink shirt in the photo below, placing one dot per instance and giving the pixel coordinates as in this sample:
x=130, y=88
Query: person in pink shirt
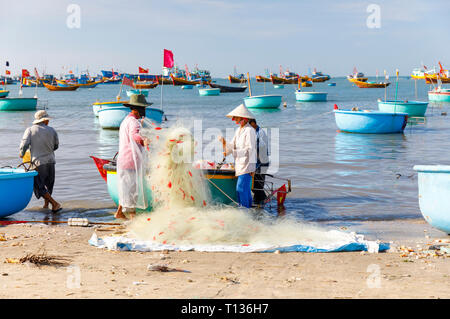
x=131, y=160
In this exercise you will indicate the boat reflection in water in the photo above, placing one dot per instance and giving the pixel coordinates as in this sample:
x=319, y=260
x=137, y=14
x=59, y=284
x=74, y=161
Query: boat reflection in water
x=108, y=141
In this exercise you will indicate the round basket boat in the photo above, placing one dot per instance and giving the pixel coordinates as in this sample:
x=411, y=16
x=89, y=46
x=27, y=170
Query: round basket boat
x=412, y=108
x=263, y=101
x=16, y=188
x=310, y=96
x=373, y=122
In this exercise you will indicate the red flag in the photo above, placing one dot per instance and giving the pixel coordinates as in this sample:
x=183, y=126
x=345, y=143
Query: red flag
x=127, y=81
x=25, y=73
x=7, y=72
x=36, y=73
x=99, y=163
x=281, y=195
x=168, y=59
x=141, y=70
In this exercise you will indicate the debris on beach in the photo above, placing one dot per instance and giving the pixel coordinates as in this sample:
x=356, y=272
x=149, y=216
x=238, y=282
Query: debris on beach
x=164, y=268
x=437, y=249
x=2, y=237
x=41, y=259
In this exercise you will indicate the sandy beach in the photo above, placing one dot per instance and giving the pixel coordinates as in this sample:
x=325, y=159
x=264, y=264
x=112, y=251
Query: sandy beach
x=98, y=273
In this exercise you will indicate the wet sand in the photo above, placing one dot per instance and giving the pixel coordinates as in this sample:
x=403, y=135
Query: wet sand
x=99, y=273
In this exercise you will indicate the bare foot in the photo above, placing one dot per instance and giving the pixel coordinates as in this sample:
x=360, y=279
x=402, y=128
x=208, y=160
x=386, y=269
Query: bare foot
x=56, y=208
x=120, y=215
x=132, y=215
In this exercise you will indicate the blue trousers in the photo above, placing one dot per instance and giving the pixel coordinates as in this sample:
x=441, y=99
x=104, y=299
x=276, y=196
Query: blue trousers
x=243, y=190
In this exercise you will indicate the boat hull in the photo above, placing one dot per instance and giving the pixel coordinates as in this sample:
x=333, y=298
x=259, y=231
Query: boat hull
x=263, y=101
x=111, y=118
x=412, y=108
x=187, y=87
x=18, y=104
x=234, y=79
x=434, y=195
x=278, y=86
x=3, y=93
x=16, y=189
x=310, y=96
x=228, y=89
x=370, y=122
x=104, y=105
x=131, y=92
x=439, y=96
x=208, y=92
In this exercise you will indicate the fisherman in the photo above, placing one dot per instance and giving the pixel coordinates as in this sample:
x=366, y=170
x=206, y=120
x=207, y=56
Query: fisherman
x=243, y=148
x=262, y=163
x=131, y=159
x=42, y=140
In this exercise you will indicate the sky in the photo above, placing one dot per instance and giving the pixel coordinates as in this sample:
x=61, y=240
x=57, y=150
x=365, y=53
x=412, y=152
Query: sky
x=219, y=35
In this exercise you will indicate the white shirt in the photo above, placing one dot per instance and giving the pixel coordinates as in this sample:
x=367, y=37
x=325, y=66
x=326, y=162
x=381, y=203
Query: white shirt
x=243, y=148
x=263, y=143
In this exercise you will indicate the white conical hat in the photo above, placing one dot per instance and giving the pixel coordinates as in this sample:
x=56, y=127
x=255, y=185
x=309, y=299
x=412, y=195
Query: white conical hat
x=241, y=111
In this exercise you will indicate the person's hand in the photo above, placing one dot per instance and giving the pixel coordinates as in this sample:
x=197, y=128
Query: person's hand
x=146, y=141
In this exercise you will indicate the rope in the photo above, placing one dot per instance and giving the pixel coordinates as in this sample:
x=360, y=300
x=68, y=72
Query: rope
x=222, y=191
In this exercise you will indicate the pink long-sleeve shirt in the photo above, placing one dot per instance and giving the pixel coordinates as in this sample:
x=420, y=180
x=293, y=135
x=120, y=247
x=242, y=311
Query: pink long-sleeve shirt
x=130, y=143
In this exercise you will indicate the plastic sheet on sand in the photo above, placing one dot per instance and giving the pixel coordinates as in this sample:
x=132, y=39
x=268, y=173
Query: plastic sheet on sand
x=354, y=242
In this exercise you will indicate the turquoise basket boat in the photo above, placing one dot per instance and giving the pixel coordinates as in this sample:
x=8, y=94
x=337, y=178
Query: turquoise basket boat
x=111, y=118
x=263, y=101
x=434, y=195
x=18, y=104
x=373, y=122
x=3, y=93
x=223, y=179
x=278, y=86
x=208, y=92
x=16, y=189
x=439, y=95
x=143, y=92
x=187, y=87
x=303, y=96
x=412, y=108
x=97, y=106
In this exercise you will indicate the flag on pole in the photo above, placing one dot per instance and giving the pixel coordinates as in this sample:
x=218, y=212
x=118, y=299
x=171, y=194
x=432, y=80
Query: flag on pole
x=25, y=73
x=141, y=70
x=127, y=81
x=281, y=195
x=168, y=59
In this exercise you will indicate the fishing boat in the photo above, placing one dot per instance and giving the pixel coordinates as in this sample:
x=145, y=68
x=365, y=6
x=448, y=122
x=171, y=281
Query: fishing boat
x=357, y=76
x=421, y=74
x=164, y=80
x=439, y=94
x=237, y=79
x=97, y=106
x=145, y=85
x=434, y=195
x=278, y=80
x=369, y=84
x=370, y=122
x=318, y=76
x=112, y=117
x=18, y=104
x=227, y=89
x=434, y=80
x=16, y=189
x=412, y=108
x=90, y=84
x=181, y=81
x=188, y=87
x=305, y=96
x=60, y=88
x=260, y=78
x=3, y=93
x=209, y=92
x=143, y=92
x=111, y=80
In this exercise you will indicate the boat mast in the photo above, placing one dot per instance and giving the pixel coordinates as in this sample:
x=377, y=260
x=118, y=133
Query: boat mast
x=249, y=86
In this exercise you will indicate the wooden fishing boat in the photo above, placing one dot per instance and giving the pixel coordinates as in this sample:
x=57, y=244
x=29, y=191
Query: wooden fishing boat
x=16, y=189
x=209, y=92
x=439, y=95
x=370, y=122
x=60, y=88
x=112, y=117
x=181, y=81
x=278, y=80
x=303, y=96
x=18, y=104
x=434, y=195
x=234, y=79
x=164, y=81
x=228, y=89
x=3, y=93
x=434, y=80
x=145, y=85
x=260, y=78
x=319, y=77
x=412, y=108
x=90, y=84
x=367, y=85
x=111, y=81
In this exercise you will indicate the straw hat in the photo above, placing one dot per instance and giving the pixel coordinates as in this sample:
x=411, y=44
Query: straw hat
x=41, y=116
x=137, y=100
x=241, y=111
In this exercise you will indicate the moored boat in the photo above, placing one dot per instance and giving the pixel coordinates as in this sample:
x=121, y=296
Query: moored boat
x=434, y=195
x=97, y=106
x=278, y=86
x=412, y=108
x=332, y=84
x=60, y=88
x=278, y=80
x=16, y=189
x=263, y=101
x=260, y=78
x=112, y=117
x=439, y=95
x=18, y=104
x=209, y=92
x=181, y=81
x=227, y=89
x=3, y=93
x=357, y=76
x=187, y=87
x=368, y=85
x=143, y=92
x=310, y=96
x=239, y=79
x=318, y=76
x=145, y=85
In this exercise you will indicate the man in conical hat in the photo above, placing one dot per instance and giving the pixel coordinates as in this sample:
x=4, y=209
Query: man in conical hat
x=243, y=148
x=131, y=159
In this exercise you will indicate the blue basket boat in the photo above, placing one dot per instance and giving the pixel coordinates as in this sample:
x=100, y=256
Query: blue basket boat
x=18, y=104
x=16, y=188
x=412, y=108
x=187, y=87
x=3, y=93
x=332, y=84
x=373, y=122
x=439, y=95
x=263, y=101
x=143, y=92
x=112, y=117
x=97, y=106
x=303, y=96
x=208, y=92
x=434, y=195
x=278, y=86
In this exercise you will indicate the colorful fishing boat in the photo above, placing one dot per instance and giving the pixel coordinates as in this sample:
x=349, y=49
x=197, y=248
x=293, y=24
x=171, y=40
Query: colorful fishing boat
x=263, y=101
x=97, y=106
x=318, y=76
x=237, y=79
x=16, y=189
x=260, y=78
x=304, y=96
x=439, y=95
x=181, y=81
x=227, y=89
x=434, y=195
x=278, y=80
x=143, y=92
x=18, y=104
x=356, y=76
x=3, y=93
x=111, y=118
x=209, y=92
x=370, y=84
x=60, y=88
x=370, y=122
x=412, y=108
x=145, y=85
